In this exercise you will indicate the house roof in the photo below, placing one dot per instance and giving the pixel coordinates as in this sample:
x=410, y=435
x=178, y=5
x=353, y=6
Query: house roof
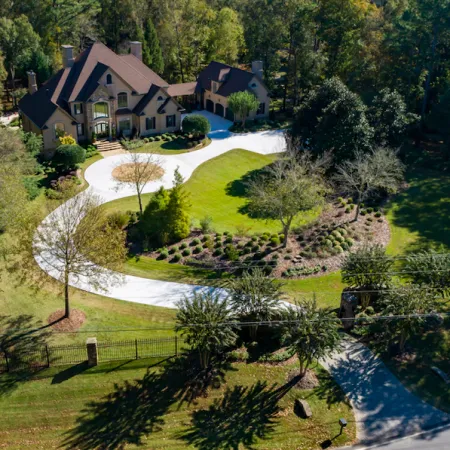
x=232, y=79
x=175, y=90
x=79, y=82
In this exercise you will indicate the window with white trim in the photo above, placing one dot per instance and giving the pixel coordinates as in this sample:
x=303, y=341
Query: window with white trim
x=59, y=129
x=80, y=129
x=150, y=123
x=122, y=100
x=170, y=121
x=261, y=109
x=78, y=108
x=100, y=110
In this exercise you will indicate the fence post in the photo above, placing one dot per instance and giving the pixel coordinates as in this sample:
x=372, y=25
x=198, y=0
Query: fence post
x=48, y=355
x=92, y=351
x=6, y=360
x=136, y=345
x=176, y=345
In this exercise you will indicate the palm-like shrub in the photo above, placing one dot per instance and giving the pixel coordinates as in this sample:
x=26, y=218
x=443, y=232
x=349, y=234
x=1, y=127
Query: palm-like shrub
x=310, y=332
x=202, y=320
x=255, y=297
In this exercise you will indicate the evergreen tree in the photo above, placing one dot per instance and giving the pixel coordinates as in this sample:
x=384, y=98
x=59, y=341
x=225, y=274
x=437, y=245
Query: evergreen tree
x=177, y=210
x=153, y=224
x=152, y=50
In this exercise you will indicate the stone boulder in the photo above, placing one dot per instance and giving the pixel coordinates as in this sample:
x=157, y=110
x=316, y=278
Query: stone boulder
x=302, y=409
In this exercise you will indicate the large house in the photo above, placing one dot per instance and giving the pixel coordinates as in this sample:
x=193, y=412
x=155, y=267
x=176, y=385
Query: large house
x=106, y=95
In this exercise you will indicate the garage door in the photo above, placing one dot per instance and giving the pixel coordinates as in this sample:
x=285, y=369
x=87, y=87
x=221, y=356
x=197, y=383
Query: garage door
x=220, y=110
x=230, y=115
x=210, y=106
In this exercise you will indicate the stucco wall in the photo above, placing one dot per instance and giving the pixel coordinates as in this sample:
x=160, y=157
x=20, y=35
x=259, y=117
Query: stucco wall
x=259, y=90
x=160, y=119
x=50, y=140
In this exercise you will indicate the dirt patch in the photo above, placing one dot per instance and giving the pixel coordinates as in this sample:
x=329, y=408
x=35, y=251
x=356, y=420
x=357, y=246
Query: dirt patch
x=73, y=323
x=125, y=172
x=309, y=381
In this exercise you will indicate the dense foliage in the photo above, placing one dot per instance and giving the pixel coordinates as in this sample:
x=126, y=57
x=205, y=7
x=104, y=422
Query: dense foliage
x=196, y=124
x=203, y=320
x=242, y=104
x=69, y=156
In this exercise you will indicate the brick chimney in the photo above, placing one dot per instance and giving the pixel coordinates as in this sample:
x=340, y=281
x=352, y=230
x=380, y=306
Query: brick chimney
x=257, y=68
x=32, y=85
x=67, y=56
x=136, y=49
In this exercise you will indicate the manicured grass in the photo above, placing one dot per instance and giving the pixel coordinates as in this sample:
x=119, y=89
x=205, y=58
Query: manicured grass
x=419, y=215
x=217, y=189
x=431, y=349
x=112, y=407
x=174, y=147
x=21, y=297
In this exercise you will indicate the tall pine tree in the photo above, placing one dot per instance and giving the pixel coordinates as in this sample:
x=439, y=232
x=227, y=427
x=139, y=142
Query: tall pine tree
x=152, y=54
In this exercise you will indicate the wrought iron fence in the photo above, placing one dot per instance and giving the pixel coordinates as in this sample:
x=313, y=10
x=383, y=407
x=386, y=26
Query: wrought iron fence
x=56, y=355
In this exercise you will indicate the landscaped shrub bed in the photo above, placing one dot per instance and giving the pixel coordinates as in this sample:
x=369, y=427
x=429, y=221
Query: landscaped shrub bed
x=257, y=125
x=184, y=140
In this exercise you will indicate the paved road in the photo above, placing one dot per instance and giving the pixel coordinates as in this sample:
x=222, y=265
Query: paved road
x=98, y=175
x=384, y=409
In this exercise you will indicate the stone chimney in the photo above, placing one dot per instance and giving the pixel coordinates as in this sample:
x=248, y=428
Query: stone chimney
x=32, y=85
x=257, y=68
x=136, y=49
x=67, y=56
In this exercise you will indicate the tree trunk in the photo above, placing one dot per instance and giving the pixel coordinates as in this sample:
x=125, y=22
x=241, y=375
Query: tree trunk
x=358, y=208
x=204, y=358
x=140, y=204
x=13, y=73
x=66, y=294
x=430, y=71
x=402, y=342
x=287, y=72
x=253, y=332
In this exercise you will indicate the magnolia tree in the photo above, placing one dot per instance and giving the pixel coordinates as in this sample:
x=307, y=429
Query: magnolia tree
x=242, y=104
x=77, y=241
x=255, y=297
x=204, y=320
x=310, y=332
x=369, y=172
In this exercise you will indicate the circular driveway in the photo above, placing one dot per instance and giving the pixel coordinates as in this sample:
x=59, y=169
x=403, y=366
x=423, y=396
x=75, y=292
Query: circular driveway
x=101, y=183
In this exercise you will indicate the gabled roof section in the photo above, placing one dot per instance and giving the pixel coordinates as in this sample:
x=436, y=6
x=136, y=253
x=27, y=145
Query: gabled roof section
x=39, y=106
x=232, y=79
x=175, y=90
x=145, y=100
x=79, y=82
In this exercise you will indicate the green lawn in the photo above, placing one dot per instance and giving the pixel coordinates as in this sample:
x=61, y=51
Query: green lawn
x=216, y=189
x=127, y=405
x=174, y=147
x=419, y=215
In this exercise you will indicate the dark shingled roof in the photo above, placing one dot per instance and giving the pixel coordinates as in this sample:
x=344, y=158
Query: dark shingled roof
x=232, y=79
x=143, y=102
x=82, y=79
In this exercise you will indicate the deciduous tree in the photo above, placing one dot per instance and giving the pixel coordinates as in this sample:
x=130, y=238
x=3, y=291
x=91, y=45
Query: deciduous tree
x=368, y=172
x=242, y=104
x=288, y=187
x=76, y=242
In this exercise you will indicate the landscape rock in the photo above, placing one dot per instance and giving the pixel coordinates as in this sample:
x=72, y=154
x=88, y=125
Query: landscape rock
x=302, y=409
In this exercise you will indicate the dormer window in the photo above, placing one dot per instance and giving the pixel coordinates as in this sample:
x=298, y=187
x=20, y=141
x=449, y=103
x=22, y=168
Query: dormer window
x=253, y=85
x=109, y=79
x=214, y=86
x=122, y=100
x=78, y=108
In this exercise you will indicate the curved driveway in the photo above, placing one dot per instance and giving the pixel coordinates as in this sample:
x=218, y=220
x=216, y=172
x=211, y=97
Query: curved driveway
x=98, y=175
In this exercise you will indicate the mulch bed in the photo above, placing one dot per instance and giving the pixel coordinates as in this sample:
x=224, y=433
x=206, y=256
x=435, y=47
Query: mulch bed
x=309, y=381
x=73, y=323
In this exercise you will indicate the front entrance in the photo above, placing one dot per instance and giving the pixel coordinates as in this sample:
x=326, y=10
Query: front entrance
x=210, y=105
x=219, y=110
x=101, y=129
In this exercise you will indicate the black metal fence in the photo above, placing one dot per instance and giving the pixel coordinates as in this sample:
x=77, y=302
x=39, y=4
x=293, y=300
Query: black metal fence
x=57, y=355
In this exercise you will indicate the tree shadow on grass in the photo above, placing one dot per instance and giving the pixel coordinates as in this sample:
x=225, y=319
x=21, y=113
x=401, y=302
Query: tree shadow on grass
x=23, y=340
x=241, y=417
x=136, y=409
x=424, y=208
x=329, y=390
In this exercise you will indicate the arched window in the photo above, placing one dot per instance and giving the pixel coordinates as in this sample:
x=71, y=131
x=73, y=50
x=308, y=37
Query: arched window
x=100, y=110
x=122, y=100
x=59, y=129
x=253, y=85
x=160, y=99
x=109, y=79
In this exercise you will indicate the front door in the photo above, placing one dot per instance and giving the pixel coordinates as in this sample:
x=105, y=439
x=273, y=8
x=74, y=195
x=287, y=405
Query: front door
x=101, y=129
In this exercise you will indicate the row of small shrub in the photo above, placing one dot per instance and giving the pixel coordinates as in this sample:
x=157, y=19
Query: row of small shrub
x=132, y=144
x=276, y=357
x=299, y=271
